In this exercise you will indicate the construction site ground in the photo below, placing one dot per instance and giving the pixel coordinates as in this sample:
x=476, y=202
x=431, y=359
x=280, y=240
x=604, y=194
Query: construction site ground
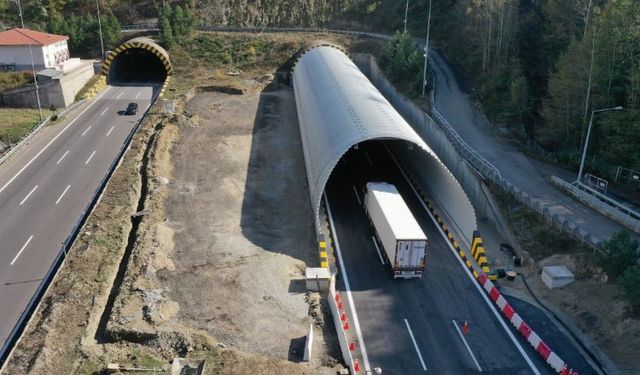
x=198, y=246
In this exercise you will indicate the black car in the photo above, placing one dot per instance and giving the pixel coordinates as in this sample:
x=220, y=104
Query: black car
x=132, y=109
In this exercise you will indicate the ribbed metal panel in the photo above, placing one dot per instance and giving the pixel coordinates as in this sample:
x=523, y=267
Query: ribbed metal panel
x=337, y=108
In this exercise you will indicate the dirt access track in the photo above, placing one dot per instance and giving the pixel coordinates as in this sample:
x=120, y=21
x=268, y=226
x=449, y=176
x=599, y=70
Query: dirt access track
x=197, y=248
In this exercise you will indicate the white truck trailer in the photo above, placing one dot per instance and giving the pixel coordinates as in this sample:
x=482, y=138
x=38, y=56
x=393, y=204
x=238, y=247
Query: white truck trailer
x=402, y=240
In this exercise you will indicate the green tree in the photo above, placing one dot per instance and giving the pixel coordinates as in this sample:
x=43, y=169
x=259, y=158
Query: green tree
x=400, y=59
x=629, y=282
x=166, y=32
x=618, y=254
x=179, y=23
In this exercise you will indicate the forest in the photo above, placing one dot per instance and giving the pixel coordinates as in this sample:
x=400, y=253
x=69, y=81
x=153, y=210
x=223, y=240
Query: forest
x=538, y=65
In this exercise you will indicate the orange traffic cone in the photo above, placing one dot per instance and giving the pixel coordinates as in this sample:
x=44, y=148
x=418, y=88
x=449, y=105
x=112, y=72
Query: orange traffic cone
x=337, y=297
x=340, y=305
x=352, y=346
x=343, y=317
x=465, y=327
x=356, y=365
x=345, y=326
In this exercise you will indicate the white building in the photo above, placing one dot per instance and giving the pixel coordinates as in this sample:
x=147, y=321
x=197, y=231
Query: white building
x=49, y=50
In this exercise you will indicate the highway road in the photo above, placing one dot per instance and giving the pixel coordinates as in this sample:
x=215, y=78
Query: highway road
x=408, y=325
x=45, y=187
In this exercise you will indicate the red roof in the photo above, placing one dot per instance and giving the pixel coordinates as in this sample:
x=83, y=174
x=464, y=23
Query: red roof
x=25, y=37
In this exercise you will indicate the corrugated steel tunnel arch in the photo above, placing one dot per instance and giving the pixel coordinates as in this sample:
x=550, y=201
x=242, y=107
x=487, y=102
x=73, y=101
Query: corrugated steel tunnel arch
x=141, y=48
x=338, y=107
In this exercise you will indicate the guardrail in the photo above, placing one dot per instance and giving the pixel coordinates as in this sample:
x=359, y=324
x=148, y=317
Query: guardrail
x=601, y=203
x=26, y=315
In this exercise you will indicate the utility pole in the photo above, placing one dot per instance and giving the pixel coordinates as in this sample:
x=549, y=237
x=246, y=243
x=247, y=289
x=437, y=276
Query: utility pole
x=586, y=142
x=33, y=68
x=406, y=13
x=100, y=28
x=426, y=52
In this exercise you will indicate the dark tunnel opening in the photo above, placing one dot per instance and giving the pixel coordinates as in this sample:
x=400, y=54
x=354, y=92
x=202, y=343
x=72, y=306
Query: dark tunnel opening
x=136, y=65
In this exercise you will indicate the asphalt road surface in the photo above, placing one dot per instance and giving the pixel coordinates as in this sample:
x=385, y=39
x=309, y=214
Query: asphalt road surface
x=46, y=186
x=408, y=326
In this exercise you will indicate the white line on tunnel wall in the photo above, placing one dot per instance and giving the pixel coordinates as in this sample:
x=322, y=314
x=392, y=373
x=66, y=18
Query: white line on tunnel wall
x=368, y=158
x=415, y=345
x=356, y=193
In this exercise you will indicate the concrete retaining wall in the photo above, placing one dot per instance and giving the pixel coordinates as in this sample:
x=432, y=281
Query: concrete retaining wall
x=57, y=93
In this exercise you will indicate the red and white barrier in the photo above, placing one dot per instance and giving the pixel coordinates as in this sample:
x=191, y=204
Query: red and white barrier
x=516, y=320
x=341, y=321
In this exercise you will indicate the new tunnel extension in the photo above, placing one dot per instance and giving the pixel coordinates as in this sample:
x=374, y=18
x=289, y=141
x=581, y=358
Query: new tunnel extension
x=338, y=108
x=137, y=60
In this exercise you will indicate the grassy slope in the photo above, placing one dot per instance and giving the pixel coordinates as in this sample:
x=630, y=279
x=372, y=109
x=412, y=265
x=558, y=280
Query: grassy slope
x=15, y=123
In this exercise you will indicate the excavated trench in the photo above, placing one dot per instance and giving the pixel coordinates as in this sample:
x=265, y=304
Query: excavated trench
x=102, y=335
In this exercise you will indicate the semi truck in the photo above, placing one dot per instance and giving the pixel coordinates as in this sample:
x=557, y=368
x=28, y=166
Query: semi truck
x=397, y=232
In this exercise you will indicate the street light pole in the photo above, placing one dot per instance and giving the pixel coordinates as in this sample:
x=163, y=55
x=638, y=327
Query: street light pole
x=100, y=28
x=33, y=68
x=586, y=141
x=406, y=13
x=426, y=52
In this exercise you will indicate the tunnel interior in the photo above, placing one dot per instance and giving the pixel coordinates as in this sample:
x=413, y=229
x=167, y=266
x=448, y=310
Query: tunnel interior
x=136, y=65
x=381, y=160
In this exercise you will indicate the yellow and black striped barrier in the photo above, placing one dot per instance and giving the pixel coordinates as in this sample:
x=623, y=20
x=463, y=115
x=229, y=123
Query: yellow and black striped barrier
x=322, y=246
x=478, y=253
x=165, y=86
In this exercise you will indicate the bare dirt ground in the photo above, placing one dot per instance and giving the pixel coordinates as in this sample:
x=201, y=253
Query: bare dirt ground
x=223, y=249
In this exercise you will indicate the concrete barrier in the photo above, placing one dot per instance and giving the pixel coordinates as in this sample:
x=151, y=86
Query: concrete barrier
x=308, y=345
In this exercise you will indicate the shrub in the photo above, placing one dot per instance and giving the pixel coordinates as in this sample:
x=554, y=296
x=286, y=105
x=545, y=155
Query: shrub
x=629, y=282
x=618, y=254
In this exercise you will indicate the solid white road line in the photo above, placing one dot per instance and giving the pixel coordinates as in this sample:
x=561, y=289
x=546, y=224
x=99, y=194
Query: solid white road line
x=90, y=157
x=467, y=345
x=356, y=192
x=53, y=140
x=62, y=195
x=110, y=130
x=21, y=250
x=105, y=111
x=377, y=249
x=468, y=272
x=415, y=345
x=119, y=95
x=63, y=156
x=356, y=323
x=85, y=132
x=28, y=195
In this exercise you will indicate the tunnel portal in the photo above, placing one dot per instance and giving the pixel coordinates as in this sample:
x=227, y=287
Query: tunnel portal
x=138, y=60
